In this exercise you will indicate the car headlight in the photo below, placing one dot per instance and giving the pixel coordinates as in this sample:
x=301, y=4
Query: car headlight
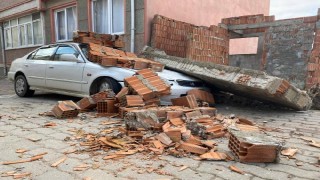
x=187, y=83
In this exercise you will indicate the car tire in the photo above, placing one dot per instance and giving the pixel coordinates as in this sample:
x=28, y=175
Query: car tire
x=108, y=83
x=21, y=87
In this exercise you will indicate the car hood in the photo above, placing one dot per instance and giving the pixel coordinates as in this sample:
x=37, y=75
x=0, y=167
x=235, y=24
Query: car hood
x=173, y=75
x=165, y=74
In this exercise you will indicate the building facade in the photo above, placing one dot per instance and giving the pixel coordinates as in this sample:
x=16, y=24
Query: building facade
x=28, y=24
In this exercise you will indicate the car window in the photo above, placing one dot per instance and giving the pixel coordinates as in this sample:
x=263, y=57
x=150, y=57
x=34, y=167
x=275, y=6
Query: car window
x=31, y=56
x=84, y=49
x=65, y=50
x=44, y=53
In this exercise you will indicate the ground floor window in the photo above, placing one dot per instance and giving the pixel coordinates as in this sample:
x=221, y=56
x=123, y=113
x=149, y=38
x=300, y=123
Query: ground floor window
x=108, y=16
x=65, y=23
x=24, y=31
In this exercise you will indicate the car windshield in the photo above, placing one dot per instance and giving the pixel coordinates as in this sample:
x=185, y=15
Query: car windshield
x=84, y=49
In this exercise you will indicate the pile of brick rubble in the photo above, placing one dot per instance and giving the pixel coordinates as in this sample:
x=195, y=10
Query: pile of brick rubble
x=189, y=126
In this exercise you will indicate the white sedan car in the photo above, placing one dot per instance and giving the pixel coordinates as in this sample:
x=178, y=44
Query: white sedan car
x=64, y=68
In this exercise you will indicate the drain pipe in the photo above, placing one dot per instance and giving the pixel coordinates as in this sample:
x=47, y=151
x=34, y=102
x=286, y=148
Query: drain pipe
x=3, y=50
x=132, y=27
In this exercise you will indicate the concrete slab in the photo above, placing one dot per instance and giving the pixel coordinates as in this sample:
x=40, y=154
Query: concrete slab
x=243, y=82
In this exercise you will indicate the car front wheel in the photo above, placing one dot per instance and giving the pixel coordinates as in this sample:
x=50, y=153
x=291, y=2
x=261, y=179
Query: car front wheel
x=21, y=87
x=108, y=83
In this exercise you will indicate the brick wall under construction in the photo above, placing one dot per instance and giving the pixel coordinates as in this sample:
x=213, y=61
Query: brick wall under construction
x=289, y=48
x=176, y=38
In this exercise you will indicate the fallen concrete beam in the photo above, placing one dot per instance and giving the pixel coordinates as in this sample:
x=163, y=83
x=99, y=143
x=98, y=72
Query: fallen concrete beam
x=266, y=24
x=243, y=82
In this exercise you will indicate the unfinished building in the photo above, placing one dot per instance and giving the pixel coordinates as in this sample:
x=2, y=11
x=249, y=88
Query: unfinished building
x=289, y=49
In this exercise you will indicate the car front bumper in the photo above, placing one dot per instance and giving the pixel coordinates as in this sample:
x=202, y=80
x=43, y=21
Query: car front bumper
x=11, y=76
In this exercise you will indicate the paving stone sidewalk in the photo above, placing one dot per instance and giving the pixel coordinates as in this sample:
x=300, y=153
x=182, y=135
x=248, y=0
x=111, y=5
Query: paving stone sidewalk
x=22, y=127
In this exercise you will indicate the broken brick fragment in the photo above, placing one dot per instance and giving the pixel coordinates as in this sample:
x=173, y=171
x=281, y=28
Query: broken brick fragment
x=174, y=114
x=140, y=64
x=139, y=88
x=157, y=67
x=123, y=111
x=163, y=138
x=210, y=111
x=205, y=127
x=192, y=148
x=176, y=121
x=145, y=119
x=87, y=103
x=202, y=95
x=109, y=61
x=185, y=101
x=66, y=109
x=102, y=95
x=131, y=101
x=123, y=92
x=193, y=114
x=214, y=156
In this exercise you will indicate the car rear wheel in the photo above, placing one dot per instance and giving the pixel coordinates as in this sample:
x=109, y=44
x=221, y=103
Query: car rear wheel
x=108, y=83
x=21, y=87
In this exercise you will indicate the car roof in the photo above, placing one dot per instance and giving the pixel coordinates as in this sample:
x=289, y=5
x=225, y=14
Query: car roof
x=63, y=43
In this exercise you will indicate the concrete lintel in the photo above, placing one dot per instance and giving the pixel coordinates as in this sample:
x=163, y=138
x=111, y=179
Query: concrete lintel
x=236, y=34
x=247, y=35
x=265, y=24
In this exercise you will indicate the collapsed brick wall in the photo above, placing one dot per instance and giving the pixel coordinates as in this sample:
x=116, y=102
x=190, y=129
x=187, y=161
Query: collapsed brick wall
x=176, y=38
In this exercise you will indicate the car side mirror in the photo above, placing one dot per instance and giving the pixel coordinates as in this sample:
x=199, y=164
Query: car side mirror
x=69, y=57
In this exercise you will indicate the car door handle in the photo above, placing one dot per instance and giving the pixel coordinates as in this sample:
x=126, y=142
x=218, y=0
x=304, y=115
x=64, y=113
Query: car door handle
x=26, y=65
x=51, y=67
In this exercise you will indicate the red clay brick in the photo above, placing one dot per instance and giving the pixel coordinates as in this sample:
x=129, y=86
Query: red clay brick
x=107, y=106
x=192, y=148
x=66, y=109
x=261, y=150
x=186, y=101
x=87, y=103
x=202, y=95
x=109, y=61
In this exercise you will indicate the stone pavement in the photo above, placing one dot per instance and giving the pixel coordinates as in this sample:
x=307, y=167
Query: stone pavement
x=22, y=127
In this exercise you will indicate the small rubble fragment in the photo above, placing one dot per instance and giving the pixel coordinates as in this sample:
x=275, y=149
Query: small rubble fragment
x=235, y=169
x=21, y=175
x=21, y=150
x=183, y=168
x=315, y=144
x=290, y=152
x=49, y=124
x=33, y=158
x=81, y=167
x=214, y=156
x=59, y=161
x=163, y=138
